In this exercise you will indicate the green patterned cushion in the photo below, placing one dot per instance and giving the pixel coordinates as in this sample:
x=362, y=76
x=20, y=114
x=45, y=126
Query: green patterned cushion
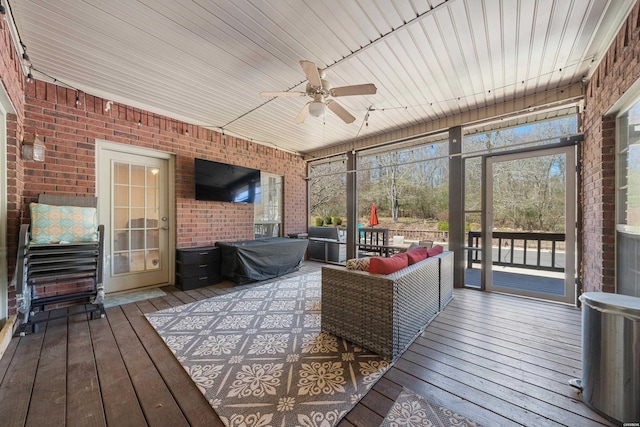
x=358, y=264
x=67, y=224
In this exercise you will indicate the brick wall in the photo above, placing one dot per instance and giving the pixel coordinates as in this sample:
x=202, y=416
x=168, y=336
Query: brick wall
x=618, y=70
x=69, y=132
x=13, y=85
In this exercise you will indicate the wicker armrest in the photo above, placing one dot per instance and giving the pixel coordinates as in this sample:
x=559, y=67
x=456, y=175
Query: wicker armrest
x=382, y=313
x=358, y=306
x=446, y=278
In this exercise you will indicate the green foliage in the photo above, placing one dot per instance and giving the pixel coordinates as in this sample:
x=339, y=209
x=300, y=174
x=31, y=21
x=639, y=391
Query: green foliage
x=336, y=220
x=318, y=221
x=327, y=220
x=443, y=226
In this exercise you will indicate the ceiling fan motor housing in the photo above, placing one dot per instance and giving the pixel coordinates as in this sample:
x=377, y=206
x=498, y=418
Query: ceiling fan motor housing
x=324, y=90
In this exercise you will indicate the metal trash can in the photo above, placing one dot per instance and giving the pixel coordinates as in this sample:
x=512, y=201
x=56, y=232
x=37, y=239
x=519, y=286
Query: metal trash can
x=611, y=355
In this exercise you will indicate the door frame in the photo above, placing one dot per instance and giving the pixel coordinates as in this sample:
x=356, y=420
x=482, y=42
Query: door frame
x=101, y=147
x=6, y=107
x=571, y=198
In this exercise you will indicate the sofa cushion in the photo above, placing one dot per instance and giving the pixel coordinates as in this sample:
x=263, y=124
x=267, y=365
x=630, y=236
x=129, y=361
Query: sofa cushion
x=361, y=264
x=54, y=224
x=382, y=265
x=436, y=250
x=416, y=255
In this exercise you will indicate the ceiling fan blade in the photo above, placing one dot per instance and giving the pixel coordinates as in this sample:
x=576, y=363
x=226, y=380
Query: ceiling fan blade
x=303, y=113
x=365, y=89
x=311, y=71
x=340, y=111
x=272, y=94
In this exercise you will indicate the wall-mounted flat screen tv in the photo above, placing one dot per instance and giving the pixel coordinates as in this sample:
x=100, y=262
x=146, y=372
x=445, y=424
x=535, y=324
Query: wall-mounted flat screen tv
x=222, y=182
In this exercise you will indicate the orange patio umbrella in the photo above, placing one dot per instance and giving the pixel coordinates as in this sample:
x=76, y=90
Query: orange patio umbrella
x=373, y=218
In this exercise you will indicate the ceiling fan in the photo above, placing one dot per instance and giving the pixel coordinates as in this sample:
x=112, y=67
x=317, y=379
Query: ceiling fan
x=321, y=91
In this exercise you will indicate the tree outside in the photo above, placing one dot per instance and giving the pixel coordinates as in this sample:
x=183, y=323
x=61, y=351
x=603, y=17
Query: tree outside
x=328, y=191
x=528, y=195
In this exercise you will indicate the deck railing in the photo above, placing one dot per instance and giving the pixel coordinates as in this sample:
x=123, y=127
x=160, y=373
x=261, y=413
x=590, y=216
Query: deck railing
x=527, y=246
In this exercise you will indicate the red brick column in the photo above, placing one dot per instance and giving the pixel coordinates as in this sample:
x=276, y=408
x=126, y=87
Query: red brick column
x=613, y=76
x=598, y=174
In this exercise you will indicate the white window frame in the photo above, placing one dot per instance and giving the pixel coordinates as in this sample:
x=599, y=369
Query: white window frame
x=268, y=221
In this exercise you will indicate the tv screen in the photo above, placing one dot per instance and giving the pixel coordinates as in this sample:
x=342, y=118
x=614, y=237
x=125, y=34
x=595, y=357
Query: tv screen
x=222, y=182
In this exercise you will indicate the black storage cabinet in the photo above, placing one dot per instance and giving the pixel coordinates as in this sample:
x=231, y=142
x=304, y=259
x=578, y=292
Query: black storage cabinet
x=197, y=267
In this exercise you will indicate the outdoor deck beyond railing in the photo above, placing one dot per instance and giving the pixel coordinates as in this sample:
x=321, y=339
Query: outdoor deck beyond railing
x=516, y=249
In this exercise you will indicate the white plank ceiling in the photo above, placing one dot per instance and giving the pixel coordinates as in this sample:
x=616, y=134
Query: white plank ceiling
x=206, y=61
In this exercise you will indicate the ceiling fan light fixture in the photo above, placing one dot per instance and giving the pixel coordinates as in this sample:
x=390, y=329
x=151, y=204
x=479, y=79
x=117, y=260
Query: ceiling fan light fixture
x=317, y=108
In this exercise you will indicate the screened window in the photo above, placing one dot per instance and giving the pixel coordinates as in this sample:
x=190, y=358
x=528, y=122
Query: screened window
x=409, y=185
x=328, y=192
x=628, y=203
x=628, y=185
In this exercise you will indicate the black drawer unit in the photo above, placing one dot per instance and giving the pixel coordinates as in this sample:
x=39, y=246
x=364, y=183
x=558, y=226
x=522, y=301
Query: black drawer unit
x=197, y=267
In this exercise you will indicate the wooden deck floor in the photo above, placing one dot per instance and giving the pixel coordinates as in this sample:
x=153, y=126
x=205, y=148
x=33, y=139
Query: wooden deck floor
x=544, y=285
x=497, y=359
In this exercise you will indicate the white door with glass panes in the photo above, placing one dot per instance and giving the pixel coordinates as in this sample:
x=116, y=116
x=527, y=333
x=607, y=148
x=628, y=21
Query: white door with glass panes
x=134, y=207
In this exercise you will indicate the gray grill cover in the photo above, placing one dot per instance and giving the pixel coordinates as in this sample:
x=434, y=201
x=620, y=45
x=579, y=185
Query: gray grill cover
x=261, y=259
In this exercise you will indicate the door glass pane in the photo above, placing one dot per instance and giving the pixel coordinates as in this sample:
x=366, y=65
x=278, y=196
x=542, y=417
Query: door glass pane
x=528, y=246
x=137, y=239
x=152, y=177
x=137, y=196
x=137, y=261
x=153, y=260
x=135, y=215
x=121, y=174
x=153, y=239
x=121, y=195
x=120, y=217
x=138, y=175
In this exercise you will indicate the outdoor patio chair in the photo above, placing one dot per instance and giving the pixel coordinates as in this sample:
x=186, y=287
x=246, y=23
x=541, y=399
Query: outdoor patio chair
x=426, y=243
x=63, y=241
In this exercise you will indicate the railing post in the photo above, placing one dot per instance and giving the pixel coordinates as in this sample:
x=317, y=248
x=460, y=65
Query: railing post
x=524, y=252
x=539, y=252
x=470, y=250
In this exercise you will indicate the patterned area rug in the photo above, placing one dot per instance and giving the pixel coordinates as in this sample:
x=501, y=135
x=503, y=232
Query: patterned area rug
x=134, y=296
x=412, y=410
x=260, y=359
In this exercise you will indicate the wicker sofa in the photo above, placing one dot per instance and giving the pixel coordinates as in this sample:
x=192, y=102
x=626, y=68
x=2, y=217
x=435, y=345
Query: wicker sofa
x=385, y=313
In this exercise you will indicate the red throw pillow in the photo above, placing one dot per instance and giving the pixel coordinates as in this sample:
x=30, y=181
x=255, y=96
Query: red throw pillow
x=436, y=250
x=381, y=265
x=417, y=255
x=402, y=255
